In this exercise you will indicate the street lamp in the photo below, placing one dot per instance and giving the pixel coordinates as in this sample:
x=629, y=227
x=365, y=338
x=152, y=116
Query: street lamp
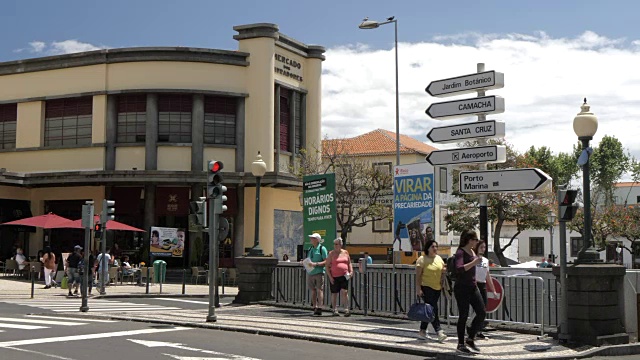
x=258, y=169
x=551, y=218
x=372, y=24
x=585, y=125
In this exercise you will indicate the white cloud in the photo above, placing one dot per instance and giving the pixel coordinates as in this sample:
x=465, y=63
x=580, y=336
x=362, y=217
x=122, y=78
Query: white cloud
x=545, y=81
x=59, y=47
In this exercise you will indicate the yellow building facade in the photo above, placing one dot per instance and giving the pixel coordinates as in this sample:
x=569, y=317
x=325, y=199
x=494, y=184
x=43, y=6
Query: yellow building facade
x=138, y=126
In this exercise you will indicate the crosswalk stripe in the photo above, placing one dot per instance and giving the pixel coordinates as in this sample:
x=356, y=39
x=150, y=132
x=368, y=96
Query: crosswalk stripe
x=45, y=322
x=20, y=326
x=84, y=320
x=119, y=309
x=185, y=301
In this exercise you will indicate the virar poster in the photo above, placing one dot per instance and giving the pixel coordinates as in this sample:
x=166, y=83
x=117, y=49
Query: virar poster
x=167, y=242
x=319, y=207
x=413, y=205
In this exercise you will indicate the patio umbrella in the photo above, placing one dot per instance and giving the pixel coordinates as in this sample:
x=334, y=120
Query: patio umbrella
x=47, y=221
x=111, y=225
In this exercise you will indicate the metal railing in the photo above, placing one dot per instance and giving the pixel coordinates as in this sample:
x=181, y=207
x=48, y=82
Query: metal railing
x=532, y=299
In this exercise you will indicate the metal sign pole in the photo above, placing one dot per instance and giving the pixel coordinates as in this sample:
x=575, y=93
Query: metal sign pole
x=87, y=223
x=213, y=254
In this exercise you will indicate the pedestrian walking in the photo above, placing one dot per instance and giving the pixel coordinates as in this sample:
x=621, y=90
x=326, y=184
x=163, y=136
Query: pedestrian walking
x=466, y=291
x=340, y=270
x=73, y=261
x=483, y=279
x=430, y=269
x=317, y=256
x=103, y=263
x=49, y=265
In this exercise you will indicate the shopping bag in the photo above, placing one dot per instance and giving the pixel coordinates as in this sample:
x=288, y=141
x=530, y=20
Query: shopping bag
x=421, y=311
x=65, y=283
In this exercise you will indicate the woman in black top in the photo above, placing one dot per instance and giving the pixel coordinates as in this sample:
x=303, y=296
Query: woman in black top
x=466, y=291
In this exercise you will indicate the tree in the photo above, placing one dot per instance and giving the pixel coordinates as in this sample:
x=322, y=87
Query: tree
x=626, y=224
x=361, y=188
x=608, y=163
x=525, y=210
x=562, y=168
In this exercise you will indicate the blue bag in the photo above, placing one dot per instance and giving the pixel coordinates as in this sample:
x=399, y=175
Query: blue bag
x=421, y=311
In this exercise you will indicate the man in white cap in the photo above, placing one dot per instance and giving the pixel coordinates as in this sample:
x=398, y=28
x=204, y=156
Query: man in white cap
x=315, y=279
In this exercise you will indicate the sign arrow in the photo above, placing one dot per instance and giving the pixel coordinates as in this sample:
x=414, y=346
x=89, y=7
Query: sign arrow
x=459, y=108
x=479, y=129
x=466, y=84
x=480, y=154
x=511, y=180
x=150, y=343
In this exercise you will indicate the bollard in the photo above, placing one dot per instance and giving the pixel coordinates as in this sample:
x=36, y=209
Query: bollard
x=33, y=280
x=184, y=280
x=160, y=281
x=148, y=271
x=224, y=279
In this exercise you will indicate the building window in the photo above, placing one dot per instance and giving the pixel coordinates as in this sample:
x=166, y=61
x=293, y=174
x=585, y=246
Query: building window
x=132, y=118
x=68, y=121
x=8, y=122
x=383, y=168
x=344, y=213
x=174, y=118
x=638, y=199
x=220, y=120
x=383, y=225
x=291, y=120
x=576, y=245
x=536, y=246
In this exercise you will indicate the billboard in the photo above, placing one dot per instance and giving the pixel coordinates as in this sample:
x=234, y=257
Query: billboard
x=166, y=242
x=319, y=208
x=413, y=205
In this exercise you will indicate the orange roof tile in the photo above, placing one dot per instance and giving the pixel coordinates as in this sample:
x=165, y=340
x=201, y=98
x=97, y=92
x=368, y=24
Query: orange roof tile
x=379, y=142
x=627, y=184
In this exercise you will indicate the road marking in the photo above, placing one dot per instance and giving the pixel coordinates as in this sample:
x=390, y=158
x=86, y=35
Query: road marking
x=19, y=326
x=185, y=301
x=45, y=322
x=94, y=309
x=40, y=353
x=77, y=337
x=84, y=320
x=149, y=343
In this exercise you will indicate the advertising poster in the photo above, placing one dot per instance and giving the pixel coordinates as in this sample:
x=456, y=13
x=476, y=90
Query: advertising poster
x=319, y=208
x=413, y=205
x=167, y=242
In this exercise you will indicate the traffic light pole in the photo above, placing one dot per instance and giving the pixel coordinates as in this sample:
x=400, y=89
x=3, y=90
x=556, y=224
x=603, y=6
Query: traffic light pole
x=213, y=259
x=87, y=223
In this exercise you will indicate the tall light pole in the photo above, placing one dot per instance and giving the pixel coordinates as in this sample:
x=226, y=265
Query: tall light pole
x=371, y=24
x=585, y=125
x=551, y=218
x=258, y=169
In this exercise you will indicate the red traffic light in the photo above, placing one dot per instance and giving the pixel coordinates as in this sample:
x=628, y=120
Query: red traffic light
x=215, y=166
x=97, y=227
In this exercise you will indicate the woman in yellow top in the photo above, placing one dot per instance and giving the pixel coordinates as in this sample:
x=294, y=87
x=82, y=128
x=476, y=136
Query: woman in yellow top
x=429, y=270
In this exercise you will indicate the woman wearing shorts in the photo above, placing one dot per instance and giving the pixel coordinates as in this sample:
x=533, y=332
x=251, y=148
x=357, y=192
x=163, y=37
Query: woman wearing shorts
x=339, y=269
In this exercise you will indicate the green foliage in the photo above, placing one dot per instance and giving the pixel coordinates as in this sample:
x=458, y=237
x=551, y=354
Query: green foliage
x=562, y=167
x=608, y=163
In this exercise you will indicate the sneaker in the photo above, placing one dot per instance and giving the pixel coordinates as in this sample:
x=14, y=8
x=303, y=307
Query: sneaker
x=442, y=336
x=335, y=312
x=470, y=343
x=70, y=294
x=422, y=334
x=47, y=287
x=347, y=313
x=317, y=312
x=481, y=336
x=463, y=349
x=75, y=292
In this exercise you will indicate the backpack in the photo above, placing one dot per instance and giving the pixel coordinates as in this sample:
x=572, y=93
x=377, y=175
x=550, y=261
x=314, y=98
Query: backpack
x=452, y=274
x=319, y=249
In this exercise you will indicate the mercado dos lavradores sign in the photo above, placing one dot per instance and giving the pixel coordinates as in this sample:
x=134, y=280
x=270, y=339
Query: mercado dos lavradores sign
x=288, y=67
x=319, y=206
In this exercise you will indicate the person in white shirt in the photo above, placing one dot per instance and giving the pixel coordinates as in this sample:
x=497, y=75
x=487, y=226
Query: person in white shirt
x=21, y=259
x=104, y=262
x=483, y=278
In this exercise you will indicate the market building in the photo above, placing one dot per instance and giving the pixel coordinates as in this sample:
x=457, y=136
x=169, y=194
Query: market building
x=138, y=126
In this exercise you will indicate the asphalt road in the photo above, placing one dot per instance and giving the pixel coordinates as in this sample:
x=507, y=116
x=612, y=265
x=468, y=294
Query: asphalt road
x=64, y=337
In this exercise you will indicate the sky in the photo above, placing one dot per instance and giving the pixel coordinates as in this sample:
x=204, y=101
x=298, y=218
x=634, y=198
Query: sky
x=553, y=54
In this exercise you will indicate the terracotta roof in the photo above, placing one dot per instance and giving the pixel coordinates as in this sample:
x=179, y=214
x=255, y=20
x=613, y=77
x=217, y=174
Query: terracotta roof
x=380, y=142
x=627, y=184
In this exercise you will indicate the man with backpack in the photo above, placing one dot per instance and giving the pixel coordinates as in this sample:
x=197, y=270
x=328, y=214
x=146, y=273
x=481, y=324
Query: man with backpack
x=315, y=279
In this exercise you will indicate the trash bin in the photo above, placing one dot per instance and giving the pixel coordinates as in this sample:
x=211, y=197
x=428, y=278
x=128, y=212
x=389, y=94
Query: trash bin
x=159, y=271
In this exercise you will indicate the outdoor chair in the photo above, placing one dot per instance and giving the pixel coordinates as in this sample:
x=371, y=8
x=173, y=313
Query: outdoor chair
x=143, y=274
x=37, y=268
x=196, y=272
x=131, y=276
x=11, y=266
x=113, y=275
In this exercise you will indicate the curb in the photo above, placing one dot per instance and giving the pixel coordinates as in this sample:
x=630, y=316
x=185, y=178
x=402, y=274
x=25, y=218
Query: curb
x=151, y=296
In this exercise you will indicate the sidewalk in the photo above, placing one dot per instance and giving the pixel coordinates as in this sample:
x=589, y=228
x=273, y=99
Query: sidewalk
x=11, y=288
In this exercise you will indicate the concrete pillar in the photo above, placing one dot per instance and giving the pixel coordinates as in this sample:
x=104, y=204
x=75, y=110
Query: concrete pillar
x=112, y=123
x=197, y=133
x=240, y=134
x=149, y=211
x=151, y=143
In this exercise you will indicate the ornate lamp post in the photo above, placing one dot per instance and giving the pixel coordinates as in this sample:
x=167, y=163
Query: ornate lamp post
x=551, y=218
x=258, y=169
x=585, y=125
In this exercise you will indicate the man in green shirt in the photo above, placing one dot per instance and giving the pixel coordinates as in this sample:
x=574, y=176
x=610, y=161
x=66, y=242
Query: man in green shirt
x=315, y=279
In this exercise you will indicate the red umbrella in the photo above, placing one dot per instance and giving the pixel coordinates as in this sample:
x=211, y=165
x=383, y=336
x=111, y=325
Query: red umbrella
x=111, y=225
x=47, y=221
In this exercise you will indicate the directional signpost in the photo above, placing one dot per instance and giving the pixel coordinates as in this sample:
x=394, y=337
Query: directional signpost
x=459, y=108
x=494, y=181
x=466, y=84
x=454, y=133
x=481, y=154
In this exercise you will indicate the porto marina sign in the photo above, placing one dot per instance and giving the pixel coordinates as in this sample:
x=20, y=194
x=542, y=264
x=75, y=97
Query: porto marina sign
x=482, y=129
x=511, y=180
x=481, y=154
x=466, y=84
x=465, y=107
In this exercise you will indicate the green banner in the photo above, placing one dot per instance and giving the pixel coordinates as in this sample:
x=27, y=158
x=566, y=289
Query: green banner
x=319, y=206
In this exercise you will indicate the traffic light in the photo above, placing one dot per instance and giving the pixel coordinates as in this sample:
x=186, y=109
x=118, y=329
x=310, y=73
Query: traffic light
x=214, y=178
x=97, y=230
x=218, y=202
x=199, y=212
x=567, y=204
x=108, y=210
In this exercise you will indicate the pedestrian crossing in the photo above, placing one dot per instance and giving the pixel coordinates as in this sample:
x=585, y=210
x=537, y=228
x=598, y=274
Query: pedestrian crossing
x=36, y=322
x=63, y=305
